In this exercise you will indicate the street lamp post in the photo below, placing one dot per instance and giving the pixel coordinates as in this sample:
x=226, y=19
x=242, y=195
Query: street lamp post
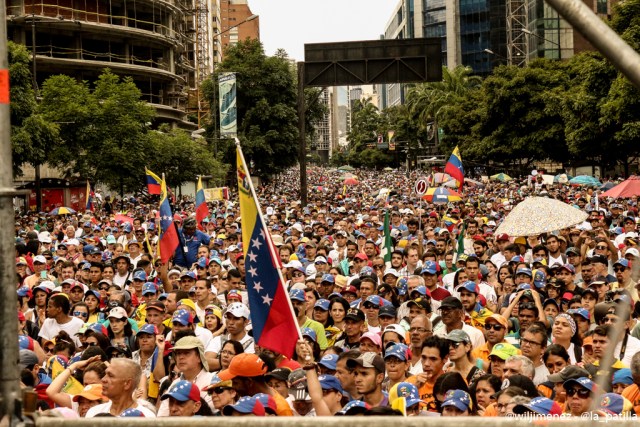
x=531, y=33
x=490, y=52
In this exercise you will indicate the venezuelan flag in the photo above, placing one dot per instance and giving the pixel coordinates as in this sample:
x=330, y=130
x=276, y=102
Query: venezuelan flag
x=274, y=324
x=202, y=210
x=168, y=234
x=153, y=182
x=454, y=167
x=90, y=195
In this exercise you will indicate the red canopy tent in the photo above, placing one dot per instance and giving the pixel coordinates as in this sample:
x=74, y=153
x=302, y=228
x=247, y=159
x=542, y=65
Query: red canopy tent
x=627, y=188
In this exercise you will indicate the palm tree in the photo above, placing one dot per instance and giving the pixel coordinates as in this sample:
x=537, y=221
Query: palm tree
x=427, y=102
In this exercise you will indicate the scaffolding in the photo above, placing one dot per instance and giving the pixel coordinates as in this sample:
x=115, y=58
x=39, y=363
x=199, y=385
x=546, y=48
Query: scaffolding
x=203, y=57
x=517, y=39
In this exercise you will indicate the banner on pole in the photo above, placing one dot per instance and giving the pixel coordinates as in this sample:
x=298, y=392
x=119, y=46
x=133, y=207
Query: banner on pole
x=227, y=104
x=219, y=193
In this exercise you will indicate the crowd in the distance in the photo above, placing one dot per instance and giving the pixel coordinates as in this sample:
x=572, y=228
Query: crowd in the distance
x=460, y=321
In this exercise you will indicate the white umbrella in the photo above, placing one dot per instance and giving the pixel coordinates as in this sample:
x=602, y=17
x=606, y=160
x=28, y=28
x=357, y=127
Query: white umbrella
x=537, y=215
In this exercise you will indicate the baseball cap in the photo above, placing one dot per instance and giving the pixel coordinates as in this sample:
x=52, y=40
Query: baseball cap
x=39, y=259
x=498, y=318
x=373, y=337
x=310, y=333
x=183, y=317
x=458, y=398
x=400, y=351
x=246, y=405
x=281, y=374
x=189, y=274
x=202, y=262
x=567, y=373
x=614, y=404
x=451, y=302
x=367, y=360
x=458, y=335
x=526, y=271
x=525, y=383
x=407, y=391
x=298, y=385
x=244, y=365
x=601, y=259
x=329, y=361
x=355, y=407
x=622, y=376
x=297, y=295
x=148, y=328
x=131, y=413
x=329, y=382
x=580, y=312
x=320, y=260
x=503, y=351
x=156, y=305
x=349, y=290
x=429, y=267
x=322, y=304
x=140, y=275
x=584, y=382
x=539, y=405
x=27, y=358
x=328, y=278
x=355, y=314
x=234, y=294
x=470, y=287
x=623, y=262
x=183, y=391
x=118, y=313
x=97, y=328
x=237, y=309
x=268, y=402
x=502, y=237
x=388, y=311
x=149, y=288
x=91, y=392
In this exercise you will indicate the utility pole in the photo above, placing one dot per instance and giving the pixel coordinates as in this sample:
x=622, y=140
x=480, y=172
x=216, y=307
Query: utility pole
x=302, y=157
x=9, y=386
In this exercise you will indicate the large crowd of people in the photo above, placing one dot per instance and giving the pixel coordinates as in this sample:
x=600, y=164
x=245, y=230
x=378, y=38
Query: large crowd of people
x=459, y=320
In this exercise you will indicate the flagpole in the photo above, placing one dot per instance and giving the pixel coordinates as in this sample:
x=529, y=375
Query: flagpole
x=274, y=256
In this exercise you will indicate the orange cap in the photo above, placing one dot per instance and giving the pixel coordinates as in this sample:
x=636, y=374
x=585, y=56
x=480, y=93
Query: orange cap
x=91, y=392
x=500, y=319
x=587, y=341
x=244, y=365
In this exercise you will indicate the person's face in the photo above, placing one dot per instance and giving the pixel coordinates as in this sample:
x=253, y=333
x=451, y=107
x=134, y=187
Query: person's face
x=92, y=302
x=202, y=293
x=450, y=315
x=234, y=282
x=526, y=317
x=562, y=329
x=279, y=386
x=337, y=312
x=619, y=388
x=117, y=325
x=588, y=302
x=226, y=354
x=432, y=363
x=186, y=360
x=555, y=363
x=67, y=273
x=494, y=332
x=344, y=374
x=371, y=311
x=353, y=328
x=235, y=325
x=352, y=250
x=52, y=310
x=600, y=345
x=146, y=342
x=452, y=411
x=553, y=245
x=602, y=289
x=114, y=381
x=622, y=273
x=366, y=290
x=182, y=409
x=122, y=266
x=532, y=345
x=512, y=367
x=497, y=366
x=479, y=250
x=40, y=298
x=300, y=307
x=458, y=350
x=396, y=260
x=578, y=400
x=366, y=345
x=85, y=404
x=502, y=405
x=367, y=380
x=320, y=315
x=95, y=275
x=222, y=396
x=468, y=300
x=412, y=257
x=484, y=391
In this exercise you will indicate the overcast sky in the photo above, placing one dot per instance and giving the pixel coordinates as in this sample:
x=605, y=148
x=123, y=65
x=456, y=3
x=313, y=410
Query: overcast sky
x=289, y=24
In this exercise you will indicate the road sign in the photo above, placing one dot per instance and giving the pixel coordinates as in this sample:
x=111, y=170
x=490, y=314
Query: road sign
x=421, y=186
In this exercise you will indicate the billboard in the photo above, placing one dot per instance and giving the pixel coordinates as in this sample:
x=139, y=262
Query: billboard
x=227, y=104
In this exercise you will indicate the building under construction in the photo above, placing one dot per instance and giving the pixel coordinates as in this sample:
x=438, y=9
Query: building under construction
x=164, y=45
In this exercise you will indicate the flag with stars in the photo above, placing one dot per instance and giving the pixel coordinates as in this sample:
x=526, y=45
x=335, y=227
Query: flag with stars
x=168, y=241
x=274, y=325
x=202, y=210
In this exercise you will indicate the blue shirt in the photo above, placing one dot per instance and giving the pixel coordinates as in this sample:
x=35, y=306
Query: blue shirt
x=192, y=243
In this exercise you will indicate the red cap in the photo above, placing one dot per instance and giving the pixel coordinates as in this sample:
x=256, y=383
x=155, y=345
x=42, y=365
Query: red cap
x=503, y=236
x=362, y=256
x=21, y=317
x=349, y=289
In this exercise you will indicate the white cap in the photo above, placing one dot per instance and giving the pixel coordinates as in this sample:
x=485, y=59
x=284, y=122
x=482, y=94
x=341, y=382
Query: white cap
x=118, y=313
x=47, y=284
x=40, y=258
x=297, y=226
x=73, y=242
x=238, y=309
x=44, y=237
x=633, y=251
x=311, y=270
x=233, y=248
x=174, y=271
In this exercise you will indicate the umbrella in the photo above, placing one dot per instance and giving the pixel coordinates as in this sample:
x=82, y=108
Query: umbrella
x=537, y=215
x=586, y=180
x=607, y=186
x=562, y=178
x=627, y=188
x=351, y=181
x=441, y=195
x=62, y=210
x=388, y=169
x=346, y=168
x=473, y=182
x=123, y=218
x=502, y=177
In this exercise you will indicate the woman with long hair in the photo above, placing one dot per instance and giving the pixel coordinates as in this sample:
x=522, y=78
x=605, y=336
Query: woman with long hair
x=463, y=362
x=484, y=390
x=120, y=330
x=92, y=300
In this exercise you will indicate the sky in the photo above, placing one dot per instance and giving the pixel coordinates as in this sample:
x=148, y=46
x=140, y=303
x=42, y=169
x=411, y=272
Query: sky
x=289, y=24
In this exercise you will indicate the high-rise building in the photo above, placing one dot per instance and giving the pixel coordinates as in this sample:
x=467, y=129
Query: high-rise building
x=232, y=13
x=152, y=41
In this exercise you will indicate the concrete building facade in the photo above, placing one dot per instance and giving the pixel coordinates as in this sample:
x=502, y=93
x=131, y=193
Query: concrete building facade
x=233, y=12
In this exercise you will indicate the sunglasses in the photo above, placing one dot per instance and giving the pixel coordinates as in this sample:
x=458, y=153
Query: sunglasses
x=48, y=350
x=454, y=344
x=219, y=390
x=80, y=314
x=371, y=306
x=581, y=392
x=379, y=267
x=489, y=326
x=619, y=269
x=527, y=306
x=602, y=247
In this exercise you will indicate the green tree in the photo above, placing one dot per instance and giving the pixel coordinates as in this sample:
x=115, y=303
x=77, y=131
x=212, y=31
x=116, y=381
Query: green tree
x=366, y=123
x=266, y=108
x=32, y=135
x=181, y=158
x=104, y=129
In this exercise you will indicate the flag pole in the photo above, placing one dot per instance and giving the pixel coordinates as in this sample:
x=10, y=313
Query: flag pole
x=267, y=235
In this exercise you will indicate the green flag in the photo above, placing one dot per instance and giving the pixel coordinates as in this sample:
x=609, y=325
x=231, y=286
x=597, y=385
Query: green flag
x=460, y=243
x=387, y=247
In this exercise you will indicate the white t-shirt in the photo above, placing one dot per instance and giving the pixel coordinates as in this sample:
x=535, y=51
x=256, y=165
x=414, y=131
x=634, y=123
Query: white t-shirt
x=51, y=328
x=202, y=380
x=541, y=375
x=477, y=338
x=216, y=344
x=633, y=346
x=106, y=408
